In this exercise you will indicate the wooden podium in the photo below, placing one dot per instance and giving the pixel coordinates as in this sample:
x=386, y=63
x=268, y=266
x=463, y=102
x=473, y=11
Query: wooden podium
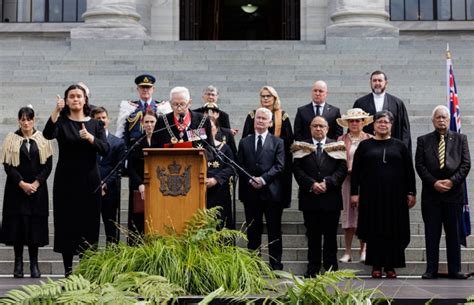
x=175, y=187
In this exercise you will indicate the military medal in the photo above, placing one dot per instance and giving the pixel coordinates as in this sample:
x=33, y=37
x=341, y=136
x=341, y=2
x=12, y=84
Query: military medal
x=174, y=140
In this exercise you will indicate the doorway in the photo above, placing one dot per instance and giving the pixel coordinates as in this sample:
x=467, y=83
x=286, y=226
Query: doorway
x=239, y=19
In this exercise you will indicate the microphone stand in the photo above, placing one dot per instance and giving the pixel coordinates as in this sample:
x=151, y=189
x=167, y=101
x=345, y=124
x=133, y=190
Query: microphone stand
x=125, y=156
x=232, y=162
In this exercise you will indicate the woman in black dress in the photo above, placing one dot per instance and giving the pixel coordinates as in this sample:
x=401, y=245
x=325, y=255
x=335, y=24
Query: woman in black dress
x=136, y=165
x=219, y=173
x=27, y=158
x=76, y=204
x=281, y=128
x=383, y=187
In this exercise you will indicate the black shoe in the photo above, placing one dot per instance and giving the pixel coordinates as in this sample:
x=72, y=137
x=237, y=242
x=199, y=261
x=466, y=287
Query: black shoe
x=18, y=270
x=310, y=274
x=34, y=269
x=429, y=275
x=277, y=266
x=458, y=276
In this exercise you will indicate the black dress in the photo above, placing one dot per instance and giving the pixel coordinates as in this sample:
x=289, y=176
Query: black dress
x=76, y=207
x=219, y=194
x=136, y=168
x=383, y=176
x=25, y=217
x=287, y=136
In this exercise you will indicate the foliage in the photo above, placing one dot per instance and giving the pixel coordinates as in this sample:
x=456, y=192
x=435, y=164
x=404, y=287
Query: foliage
x=470, y=300
x=201, y=260
x=77, y=290
x=328, y=289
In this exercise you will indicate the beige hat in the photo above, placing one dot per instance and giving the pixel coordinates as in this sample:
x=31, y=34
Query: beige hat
x=354, y=114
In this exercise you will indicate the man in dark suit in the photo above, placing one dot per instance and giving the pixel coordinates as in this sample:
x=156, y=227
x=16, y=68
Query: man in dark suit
x=443, y=162
x=320, y=178
x=182, y=125
x=318, y=106
x=111, y=188
x=380, y=100
x=262, y=155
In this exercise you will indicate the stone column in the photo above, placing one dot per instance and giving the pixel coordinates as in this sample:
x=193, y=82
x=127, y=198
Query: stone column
x=110, y=19
x=361, y=24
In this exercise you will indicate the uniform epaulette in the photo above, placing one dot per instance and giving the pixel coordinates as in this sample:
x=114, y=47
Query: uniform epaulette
x=252, y=114
x=284, y=117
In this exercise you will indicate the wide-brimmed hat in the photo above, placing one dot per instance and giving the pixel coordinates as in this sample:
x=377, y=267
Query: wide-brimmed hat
x=354, y=114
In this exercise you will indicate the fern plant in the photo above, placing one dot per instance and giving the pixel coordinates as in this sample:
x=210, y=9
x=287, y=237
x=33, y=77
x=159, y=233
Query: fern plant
x=127, y=289
x=332, y=287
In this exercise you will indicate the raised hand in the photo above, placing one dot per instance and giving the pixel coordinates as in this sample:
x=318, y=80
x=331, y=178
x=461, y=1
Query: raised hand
x=84, y=134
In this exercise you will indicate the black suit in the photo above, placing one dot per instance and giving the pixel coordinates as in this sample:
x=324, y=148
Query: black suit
x=265, y=201
x=304, y=116
x=320, y=211
x=111, y=199
x=401, y=124
x=442, y=208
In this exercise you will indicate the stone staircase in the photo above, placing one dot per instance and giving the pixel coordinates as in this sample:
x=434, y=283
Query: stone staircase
x=33, y=70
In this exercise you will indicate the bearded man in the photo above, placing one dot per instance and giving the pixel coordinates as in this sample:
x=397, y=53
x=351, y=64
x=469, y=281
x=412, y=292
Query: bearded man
x=380, y=100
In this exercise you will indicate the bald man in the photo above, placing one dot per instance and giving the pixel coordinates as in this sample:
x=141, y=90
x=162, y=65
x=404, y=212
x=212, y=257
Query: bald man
x=317, y=106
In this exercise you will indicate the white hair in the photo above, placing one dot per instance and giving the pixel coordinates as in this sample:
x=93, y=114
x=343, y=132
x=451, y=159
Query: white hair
x=266, y=111
x=182, y=90
x=441, y=108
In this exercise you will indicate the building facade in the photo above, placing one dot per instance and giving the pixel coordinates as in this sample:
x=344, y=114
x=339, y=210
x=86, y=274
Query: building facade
x=173, y=20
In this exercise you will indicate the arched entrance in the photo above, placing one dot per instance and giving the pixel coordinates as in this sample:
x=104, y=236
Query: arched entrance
x=239, y=19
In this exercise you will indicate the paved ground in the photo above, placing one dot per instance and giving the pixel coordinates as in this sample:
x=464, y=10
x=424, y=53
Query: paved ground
x=401, y=288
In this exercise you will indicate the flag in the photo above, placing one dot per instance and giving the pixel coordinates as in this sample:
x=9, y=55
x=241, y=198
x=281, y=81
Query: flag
x=455, y=125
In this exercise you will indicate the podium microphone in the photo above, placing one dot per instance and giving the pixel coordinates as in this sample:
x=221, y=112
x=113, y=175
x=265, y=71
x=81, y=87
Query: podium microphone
x=181, y=118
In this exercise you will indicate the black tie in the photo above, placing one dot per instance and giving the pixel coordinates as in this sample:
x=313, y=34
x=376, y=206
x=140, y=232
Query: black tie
x=259, y=145
x=318, y=110
x=319, y=151
x=146, y=106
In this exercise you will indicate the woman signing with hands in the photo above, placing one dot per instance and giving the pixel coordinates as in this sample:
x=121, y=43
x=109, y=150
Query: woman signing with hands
x=76, y=206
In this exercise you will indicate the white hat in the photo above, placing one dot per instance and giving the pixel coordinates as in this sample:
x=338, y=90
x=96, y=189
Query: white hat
x=354, y=114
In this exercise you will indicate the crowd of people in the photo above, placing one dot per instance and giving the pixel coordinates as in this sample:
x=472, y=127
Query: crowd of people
x=355, y=169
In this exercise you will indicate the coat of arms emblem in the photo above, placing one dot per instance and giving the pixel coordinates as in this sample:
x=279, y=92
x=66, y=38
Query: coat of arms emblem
x=172, y=183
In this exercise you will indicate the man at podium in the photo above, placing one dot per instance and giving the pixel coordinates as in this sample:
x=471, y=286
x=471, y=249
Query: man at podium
x=182, y=125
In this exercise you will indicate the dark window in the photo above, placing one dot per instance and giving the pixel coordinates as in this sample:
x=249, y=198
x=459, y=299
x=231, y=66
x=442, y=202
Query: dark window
x=42, y=10
x=421, y=10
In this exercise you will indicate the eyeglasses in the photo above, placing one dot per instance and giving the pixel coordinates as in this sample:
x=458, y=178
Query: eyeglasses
x=179, y=105
x=318, y=126
x=266, y=96
x=354, y=120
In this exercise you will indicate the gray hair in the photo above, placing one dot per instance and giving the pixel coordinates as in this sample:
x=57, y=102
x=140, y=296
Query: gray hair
x=441, y=108
x=182, y=90
x=210, y=88
x=266, y=111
